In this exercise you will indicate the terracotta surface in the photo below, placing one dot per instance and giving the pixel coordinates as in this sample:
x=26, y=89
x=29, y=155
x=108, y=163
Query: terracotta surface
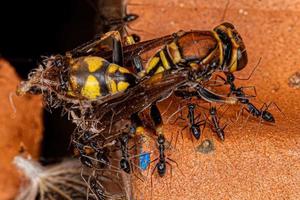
x=21, y=129
x=256, y=161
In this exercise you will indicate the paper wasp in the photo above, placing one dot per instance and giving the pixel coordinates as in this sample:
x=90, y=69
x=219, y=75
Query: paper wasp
x=104, y=93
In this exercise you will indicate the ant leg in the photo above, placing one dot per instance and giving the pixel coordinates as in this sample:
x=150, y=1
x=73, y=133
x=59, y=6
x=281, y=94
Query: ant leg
x=248, y=96
x=178, y=118
x=218, y=83
x=171, y=168
x=250, y=75
x=180, y=108
x=173, y=161
x=181, y=132
x=197, y=117
x=153, y=170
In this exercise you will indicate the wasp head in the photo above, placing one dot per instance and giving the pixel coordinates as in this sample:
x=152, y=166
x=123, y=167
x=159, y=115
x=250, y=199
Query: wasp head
x=234, y=50
x=31, y=85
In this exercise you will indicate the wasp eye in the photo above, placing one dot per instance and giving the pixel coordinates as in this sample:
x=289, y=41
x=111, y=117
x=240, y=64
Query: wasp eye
x=227, y=25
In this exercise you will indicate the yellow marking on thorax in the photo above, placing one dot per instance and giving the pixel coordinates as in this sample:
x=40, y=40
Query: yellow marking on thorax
x=94, y=63
x=91, y=88
x=233, y=63
x=160, y=69
x=234, y=57
x=112, y=68
x=220, y=45
x=152, y=64
x=140, y=130
x=112, y=86
x=164, y=60
x=141, y=73
x=122, y=86
x=173, y=49
x=129, y=40
x=123, y=70
x=194, y=66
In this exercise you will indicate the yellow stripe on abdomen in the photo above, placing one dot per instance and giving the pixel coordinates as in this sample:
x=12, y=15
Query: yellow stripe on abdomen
x=91, y=88
x=94, y=63
x=152, y=64
x=122, y=86
x=164, y=60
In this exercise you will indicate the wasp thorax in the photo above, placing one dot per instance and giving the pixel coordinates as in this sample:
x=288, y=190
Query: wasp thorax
x=234, y=50
x=92, y=77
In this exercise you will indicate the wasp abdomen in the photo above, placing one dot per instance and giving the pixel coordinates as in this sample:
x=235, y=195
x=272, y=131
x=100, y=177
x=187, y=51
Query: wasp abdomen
x=92, y=77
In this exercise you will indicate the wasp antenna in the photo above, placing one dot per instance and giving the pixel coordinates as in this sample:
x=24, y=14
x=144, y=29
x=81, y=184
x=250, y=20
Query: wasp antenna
x=225, y=10
x=93, y=5
x=138, y=4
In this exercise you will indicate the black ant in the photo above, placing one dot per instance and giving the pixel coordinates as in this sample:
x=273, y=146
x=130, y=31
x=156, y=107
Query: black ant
x=238, y=92
x=124, y=163
x=102, y=157
x=83, y=151
x=162, y=159
x=194, y=127
x=96, y=188
x=216, y=123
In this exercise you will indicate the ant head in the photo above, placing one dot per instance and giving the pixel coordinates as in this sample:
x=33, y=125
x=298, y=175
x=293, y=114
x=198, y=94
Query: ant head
x=230, y=77
x=234, y=50
x=161, y=139
x=124, y=138
x=191, y=106
x=213, y=110
x=124, y=164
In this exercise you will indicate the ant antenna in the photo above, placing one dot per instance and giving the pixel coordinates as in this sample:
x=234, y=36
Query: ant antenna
x=257, y=64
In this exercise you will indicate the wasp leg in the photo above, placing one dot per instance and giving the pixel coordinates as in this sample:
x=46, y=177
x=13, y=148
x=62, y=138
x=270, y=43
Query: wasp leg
x=157, y=119
x=213, y=97
x=117, y=54
x=93, y=46
x=136, y=59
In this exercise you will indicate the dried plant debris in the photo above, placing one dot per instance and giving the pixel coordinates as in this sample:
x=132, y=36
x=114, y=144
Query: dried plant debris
x=60, y=181
x=207, y=146
x=294, y=80
x=66, y=180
